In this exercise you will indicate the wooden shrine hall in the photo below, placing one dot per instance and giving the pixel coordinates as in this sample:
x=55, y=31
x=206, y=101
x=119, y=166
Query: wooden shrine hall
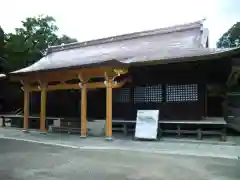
x=109, y=62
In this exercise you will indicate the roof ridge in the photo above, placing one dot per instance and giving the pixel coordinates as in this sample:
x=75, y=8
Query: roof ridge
x=164, y=30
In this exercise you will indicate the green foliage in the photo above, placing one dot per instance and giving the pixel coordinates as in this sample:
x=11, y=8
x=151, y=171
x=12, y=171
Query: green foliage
x=231, y=38
x=2, y=60
x=1, y=41
x=29, y=42
x=65, y=39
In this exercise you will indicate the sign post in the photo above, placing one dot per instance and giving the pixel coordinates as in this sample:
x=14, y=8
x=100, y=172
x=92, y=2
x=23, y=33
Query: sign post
x=147, y=124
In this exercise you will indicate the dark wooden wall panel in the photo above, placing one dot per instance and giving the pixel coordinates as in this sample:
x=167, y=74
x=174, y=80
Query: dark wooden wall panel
x=67, y=103
x=199, y=73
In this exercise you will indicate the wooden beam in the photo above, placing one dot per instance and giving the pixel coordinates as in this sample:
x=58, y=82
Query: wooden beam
x=26, y=107
x=94, y=72
x=94, y=85
x=57, y=87
x=43, y=87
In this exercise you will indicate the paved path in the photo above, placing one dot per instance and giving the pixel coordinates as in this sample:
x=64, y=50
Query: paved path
x=74, y=141
x=21, y=160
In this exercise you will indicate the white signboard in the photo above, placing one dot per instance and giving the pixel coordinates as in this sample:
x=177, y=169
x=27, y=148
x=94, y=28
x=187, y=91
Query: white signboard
x=147, y=124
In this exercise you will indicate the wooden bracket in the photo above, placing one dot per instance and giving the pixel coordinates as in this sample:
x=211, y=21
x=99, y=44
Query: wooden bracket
x=120, y=71
x=81, y=84
x=22, y=82
x=80, y=77
x=105, y=76
x=110, y=78
x=25, y=85
x=113, y=74
x=83, y=80
x=42, y=85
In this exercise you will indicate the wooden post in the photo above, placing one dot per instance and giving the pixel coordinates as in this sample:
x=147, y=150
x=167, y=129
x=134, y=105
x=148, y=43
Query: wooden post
x=43, y=87
x=109, y=109
x=83, y=110
x=83, y=86
x=26, y=108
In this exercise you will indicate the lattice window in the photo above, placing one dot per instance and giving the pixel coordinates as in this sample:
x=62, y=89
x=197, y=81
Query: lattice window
x=121, y=95
x=139, y=94
x=181, y=92
x=148, y=94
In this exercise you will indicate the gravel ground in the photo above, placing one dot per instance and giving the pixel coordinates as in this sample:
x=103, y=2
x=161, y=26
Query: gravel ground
x=199, y=148
x=31, y=161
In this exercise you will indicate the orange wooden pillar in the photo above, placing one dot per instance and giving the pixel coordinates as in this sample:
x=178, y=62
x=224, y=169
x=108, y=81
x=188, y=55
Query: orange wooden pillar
x=83, y=87
x=83, y=110
x=109, y=83
x=26, y=108
x=43, y=87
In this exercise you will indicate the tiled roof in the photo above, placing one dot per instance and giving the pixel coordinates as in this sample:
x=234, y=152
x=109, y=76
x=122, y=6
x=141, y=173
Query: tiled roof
x=177, y=43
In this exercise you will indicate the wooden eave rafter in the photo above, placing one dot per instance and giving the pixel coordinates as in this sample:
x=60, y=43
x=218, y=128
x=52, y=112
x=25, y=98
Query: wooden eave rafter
x=64, y=75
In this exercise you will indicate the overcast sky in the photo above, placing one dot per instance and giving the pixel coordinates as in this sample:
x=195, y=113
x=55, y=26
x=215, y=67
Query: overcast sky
x=91, y=19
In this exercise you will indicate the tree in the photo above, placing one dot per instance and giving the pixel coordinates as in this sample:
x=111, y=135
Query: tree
x=231, y=38
x=29, y=43
x=1, y=49
x=65, y=40
x=1, y=41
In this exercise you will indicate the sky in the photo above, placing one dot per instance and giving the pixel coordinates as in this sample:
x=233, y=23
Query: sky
x=92, y=19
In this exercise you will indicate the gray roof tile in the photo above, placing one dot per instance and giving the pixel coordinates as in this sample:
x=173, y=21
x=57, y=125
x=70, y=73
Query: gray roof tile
x=169, y=44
